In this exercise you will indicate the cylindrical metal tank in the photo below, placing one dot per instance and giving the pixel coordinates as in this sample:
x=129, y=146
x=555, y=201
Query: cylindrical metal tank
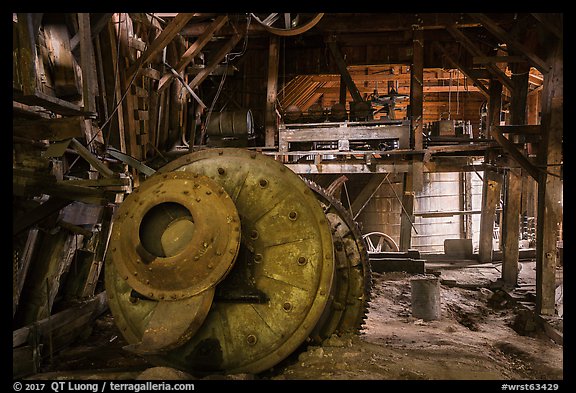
x=231, y=123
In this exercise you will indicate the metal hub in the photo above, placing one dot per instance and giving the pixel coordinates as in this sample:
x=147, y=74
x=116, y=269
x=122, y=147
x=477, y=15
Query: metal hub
x=175, y=236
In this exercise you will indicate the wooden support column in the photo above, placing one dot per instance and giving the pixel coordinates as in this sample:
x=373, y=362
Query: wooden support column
x=270, y=123
x=342, y=97
x=417, y=87
x=492, y=182
x=511, y=227
x=550, y=210
x=407, y=213
x=490, y=197
x=89, y=77
x=513, y=182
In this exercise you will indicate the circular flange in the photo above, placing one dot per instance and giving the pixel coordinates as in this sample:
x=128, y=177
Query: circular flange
x=290, y=261
x=175, y=236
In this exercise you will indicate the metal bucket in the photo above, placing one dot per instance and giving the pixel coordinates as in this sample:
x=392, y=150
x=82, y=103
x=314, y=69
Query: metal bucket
x=232, y=123
x=425, y=293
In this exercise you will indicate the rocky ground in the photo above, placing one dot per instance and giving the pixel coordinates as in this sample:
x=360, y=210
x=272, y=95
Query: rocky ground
x=481, y=334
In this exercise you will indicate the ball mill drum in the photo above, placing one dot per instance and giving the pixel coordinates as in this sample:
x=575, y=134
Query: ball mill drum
x=249, y=261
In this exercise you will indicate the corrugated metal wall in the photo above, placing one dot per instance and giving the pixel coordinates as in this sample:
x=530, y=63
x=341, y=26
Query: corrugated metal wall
x=440, y=193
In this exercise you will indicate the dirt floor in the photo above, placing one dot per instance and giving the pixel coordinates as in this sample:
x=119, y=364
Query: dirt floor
x=482, y=334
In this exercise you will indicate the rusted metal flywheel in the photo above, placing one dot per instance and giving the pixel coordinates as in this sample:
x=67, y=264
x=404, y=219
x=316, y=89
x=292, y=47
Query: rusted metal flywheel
x=225, y=261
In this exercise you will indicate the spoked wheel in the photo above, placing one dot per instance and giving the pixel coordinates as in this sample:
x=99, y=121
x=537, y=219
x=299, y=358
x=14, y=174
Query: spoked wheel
x=287, y=24
x=380, y=242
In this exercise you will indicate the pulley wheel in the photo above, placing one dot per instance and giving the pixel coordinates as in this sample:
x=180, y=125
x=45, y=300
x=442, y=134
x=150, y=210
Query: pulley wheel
x=276, y=293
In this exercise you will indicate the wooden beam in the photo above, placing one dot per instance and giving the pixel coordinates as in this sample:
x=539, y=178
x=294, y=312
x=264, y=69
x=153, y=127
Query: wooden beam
x=511, y=227
x=94, y=161
x=25, y=256
x=341, y=64
x=498, y=59
x=87, y=64
x=367, y=193
x=54, y=104
x=193, y=50
x=550, y=157
x=270, y=117
x=417, y=89
x=553, y=26
x=57, y=129
x=511, y=149
x=164, y=38
x=510, y=41
x=407, y=214
x=464, y=70
x=62, y=321
x=27, y=53
x=214, y=61
x=533, y=129
x=98, y=25
x=39, y=213
x=491, y=188
x=475, y=51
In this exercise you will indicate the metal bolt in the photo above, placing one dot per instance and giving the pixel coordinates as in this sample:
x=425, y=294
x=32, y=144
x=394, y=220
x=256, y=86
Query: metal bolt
x=301, y=261
x=251, y=339
x=258, y=257
x=287, y=306
x=263, y=183
x=254, y=234
x=293, y=215
x=221, y=171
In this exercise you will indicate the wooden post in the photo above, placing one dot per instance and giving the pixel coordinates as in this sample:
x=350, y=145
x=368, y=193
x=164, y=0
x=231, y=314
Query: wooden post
x=271, y=91
x=550, y=183
x=407, y=213
x=492, y=183
x=417, y=87
x=342, y=97
x=511, y=227
x=513, y=181
x=490, y=197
